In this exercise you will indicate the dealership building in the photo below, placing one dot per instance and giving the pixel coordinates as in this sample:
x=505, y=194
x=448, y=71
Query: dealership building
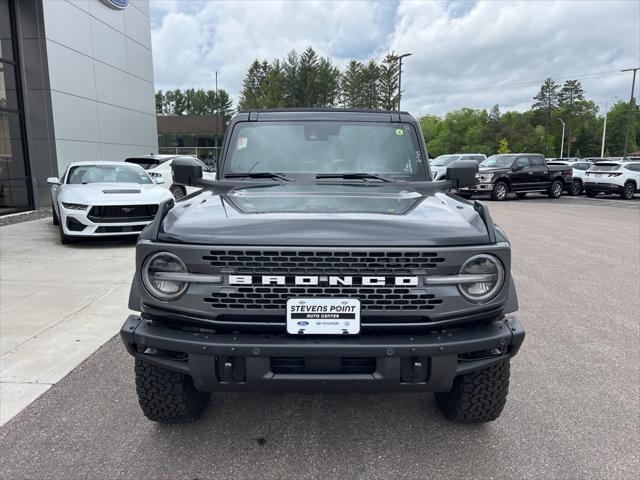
x=76, y=84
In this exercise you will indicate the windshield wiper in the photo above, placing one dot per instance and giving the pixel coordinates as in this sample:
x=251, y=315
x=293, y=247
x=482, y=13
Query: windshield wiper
x=354, y=176
x=279, y=176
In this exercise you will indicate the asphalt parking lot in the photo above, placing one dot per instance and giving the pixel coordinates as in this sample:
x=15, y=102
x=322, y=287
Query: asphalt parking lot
x=573, y=409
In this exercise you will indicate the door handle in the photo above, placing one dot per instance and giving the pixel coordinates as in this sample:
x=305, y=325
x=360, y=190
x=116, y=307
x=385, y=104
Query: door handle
x=530, y=173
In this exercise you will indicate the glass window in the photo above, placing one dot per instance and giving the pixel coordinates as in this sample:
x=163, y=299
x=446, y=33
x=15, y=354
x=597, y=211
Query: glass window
x=326, y=147
x=124, y=173
x=499, y=161
x=8, y=94
x=6, y=48
x=444, y=160
x=522, y=162
x=536, y=161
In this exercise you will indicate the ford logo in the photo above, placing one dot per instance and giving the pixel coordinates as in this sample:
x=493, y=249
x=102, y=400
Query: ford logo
x=117, y=4
x=303, y=323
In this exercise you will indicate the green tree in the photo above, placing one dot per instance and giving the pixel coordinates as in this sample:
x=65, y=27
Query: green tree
x=546, y=101
x=388, y=82
x=571, y=103
x=291, y=87
x=253, y=86
x=328, y=83
x=370, y=85
x=308, y=78
x=504, y=146
x=617, y=125
x=179, y=102
x=351, y=85
x=159, y=102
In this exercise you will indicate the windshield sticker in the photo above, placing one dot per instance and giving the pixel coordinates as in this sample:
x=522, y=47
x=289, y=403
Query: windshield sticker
x=399, y=131
x=242, y=143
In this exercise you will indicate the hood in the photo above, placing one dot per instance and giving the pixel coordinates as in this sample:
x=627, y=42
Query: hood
x=114, y=193
x=345, y=215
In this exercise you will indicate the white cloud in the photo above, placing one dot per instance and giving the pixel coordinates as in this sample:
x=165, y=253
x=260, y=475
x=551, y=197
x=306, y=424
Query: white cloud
x=463, y=54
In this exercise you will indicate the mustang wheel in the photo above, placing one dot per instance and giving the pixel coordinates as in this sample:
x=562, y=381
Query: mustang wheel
x=629, y=191
x=56, y=220
x=500, y=191
x=555, y=189
x=177, y=191
x=64, y=238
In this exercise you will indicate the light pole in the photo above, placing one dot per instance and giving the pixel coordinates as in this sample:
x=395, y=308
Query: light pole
x=633, y=84
x=604, y=128
x=562, y=142
x=399, y=58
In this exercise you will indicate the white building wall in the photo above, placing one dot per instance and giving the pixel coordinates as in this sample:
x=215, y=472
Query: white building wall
x=101, y=78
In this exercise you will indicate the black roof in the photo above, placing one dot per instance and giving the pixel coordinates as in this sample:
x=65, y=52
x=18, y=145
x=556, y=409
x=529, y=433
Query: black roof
x=321, y=109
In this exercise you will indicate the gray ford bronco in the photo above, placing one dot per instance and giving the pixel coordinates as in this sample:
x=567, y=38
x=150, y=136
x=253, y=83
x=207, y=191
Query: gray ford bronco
x=324, y=258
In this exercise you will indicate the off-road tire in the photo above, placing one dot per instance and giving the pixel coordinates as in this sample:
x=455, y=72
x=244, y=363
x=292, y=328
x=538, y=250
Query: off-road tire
x=166, y=396
x=629, y=191
x=500, y=191
x=575, y=188
x=177, y=191
x=56, y=220
x=555, y=189
x=591, y=193
x=521, y=194
x=476, y=397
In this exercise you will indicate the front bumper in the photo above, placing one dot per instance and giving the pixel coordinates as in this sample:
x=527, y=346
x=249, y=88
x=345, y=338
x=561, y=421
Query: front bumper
x=365, y=363
x=484, y=187
x=77, y=224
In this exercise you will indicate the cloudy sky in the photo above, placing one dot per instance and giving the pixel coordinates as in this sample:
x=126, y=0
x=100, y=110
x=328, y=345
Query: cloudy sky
x=465, y=53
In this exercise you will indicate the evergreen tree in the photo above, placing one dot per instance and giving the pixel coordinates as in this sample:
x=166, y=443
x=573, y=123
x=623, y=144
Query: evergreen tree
x=351, y=85
x=571, y=101
x=388, y=82
x=370, y=85
x=503, y=147
x=328, y=83
x=291, y=87
x=546, y=101
x=159, y=102
x=308, y=78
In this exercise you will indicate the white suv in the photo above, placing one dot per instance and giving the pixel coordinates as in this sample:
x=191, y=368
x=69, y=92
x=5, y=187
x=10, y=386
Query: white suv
x=439, y=164
x=159, y=166
x=613, y=177
x=580, y=167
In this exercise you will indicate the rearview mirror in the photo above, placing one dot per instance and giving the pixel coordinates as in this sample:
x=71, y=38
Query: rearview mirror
x=186, y=171
x=462, y=173
x=53, y=181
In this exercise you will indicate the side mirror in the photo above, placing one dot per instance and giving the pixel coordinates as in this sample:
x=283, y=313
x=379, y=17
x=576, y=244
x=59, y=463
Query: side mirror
x=186, y=171
x=462, y=173
x=53, y=181
x=158, y=181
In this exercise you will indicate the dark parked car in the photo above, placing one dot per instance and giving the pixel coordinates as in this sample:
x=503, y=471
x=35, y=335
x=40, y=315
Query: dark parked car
x=324, y=258
x=520, y=173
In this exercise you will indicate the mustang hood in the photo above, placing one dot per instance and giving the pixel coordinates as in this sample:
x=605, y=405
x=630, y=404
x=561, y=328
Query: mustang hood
x=351, y=215
x=114, y=194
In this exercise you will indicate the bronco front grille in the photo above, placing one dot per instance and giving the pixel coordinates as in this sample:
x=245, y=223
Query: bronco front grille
x=371, y=298
x=290, y=262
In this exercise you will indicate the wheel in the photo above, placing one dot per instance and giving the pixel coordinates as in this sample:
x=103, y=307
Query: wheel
x=521, y=194
x=64, y=238
x=500, y=191
x=166, y=396
x=56, y=220
x=476, y=397
x=177, y=191
x=591, y=193
x=576, y=188
x=629, y=191
x=555, y=189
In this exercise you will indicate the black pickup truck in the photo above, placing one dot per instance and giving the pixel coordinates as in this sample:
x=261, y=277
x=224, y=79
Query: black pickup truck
x=520, y=173
x=324, y=258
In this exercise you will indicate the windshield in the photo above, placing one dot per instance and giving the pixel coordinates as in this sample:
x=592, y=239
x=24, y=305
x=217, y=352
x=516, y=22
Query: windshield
x=444, y=160
x=82, y=174
x=499, y=161
x=312, y=147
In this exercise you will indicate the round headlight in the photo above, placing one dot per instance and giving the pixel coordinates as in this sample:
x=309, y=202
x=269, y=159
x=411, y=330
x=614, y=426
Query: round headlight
x=156, y=273
x=485, y=278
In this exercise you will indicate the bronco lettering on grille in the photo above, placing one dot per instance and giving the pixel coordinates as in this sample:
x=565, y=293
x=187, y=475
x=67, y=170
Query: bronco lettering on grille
x=321, y=280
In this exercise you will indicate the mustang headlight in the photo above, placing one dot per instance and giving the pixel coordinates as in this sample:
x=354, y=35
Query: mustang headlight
x=159, y=276
x=483, y=277
x=74, y=206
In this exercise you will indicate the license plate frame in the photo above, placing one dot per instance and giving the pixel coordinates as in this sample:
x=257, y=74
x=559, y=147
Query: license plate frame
x=323, y=316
